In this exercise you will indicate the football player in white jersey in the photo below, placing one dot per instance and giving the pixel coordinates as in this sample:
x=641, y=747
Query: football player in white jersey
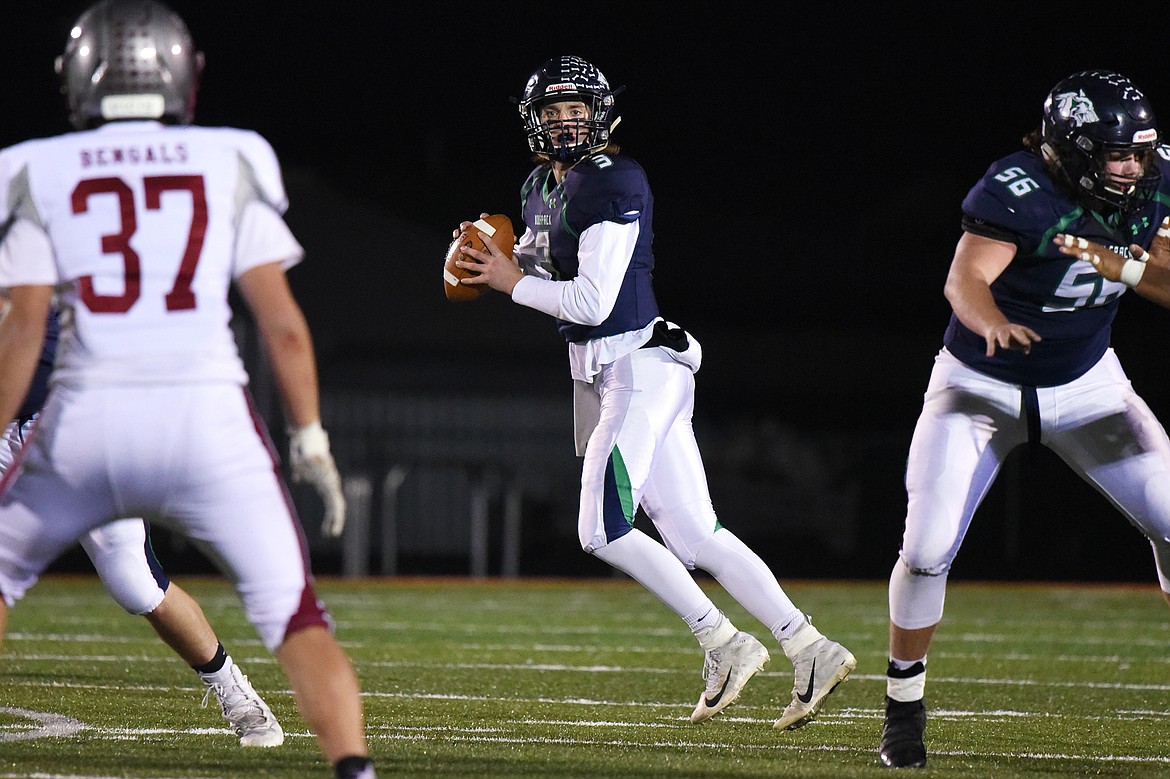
x=585, y=258
x=125, y=561
x=135, y=227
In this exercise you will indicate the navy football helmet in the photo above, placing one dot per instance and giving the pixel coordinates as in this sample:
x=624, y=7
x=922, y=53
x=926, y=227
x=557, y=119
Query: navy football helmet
x=1086, y=117
x=129, y=59
x=563, y=79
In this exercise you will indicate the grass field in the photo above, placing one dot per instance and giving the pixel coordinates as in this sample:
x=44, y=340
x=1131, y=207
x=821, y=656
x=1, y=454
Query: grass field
x=595, y=679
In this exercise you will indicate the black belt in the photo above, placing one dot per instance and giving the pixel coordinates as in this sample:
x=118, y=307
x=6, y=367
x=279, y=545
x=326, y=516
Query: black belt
x=671, y=337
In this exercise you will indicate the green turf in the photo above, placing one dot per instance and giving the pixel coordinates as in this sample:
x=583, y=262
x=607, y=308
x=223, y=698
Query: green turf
x=596, y=679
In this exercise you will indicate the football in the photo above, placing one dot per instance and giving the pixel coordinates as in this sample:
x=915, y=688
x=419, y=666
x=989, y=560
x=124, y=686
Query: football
x=499, y=228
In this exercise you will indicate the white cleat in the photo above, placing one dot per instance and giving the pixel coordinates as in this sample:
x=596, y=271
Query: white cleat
x=819, y=668
x=243, y=707
x=727, y=669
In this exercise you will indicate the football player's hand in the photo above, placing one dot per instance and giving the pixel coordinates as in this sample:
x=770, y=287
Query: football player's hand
x=464, y=225
x=1018, y=338
x=1159, y=253
x=1107, y=262
x=496, y=269
x=312, y=462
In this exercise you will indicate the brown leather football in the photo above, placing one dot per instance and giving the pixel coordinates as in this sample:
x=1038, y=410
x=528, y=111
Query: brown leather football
x=499, y=228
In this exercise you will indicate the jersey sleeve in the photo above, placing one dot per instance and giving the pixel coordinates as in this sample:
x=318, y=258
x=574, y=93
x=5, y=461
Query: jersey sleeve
x=262, y=236
x=263, y=170
x=26, y=256
x=610, y=193
x=1010, y=202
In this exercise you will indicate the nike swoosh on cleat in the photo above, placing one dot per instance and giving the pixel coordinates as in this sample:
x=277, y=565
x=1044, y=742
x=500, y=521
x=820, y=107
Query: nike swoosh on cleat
x=712, y=702
x=807, y=696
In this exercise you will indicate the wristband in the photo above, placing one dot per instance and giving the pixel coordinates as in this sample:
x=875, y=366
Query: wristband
x=1131, y=272
x=311, y=428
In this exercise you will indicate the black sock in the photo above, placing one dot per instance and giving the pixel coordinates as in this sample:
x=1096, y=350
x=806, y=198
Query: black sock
x=352, y=767
x=215, y=663
x=894, y=672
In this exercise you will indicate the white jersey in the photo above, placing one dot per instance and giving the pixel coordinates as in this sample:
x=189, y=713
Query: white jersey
x=147, y=226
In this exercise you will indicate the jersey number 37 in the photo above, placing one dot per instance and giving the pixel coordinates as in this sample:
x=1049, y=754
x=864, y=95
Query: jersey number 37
x=181, y=296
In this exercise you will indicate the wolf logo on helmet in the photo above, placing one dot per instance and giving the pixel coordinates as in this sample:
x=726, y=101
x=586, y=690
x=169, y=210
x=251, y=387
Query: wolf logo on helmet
x=1077, y=107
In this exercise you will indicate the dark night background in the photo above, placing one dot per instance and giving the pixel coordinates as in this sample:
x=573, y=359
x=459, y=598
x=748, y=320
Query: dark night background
x=808, y=164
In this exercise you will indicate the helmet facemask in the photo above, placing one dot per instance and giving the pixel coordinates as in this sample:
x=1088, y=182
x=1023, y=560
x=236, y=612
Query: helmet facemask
x=1116, y=188
x=569, y=139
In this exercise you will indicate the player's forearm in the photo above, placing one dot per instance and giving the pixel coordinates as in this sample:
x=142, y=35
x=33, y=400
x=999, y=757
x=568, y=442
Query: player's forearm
x=1155, y=284
x=287, y=342
x=294, y=368
x=21, y=334
x=973, y=304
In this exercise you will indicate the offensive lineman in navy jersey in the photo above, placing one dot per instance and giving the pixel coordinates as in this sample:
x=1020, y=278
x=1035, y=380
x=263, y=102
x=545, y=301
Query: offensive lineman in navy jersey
x=1026, y=357
x=586, y=259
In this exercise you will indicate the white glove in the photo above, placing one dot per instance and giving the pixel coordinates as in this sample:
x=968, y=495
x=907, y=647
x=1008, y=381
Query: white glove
x=312, y=462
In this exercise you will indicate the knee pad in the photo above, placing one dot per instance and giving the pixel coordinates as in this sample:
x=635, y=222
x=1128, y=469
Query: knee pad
x=121, y=556
x=916, y=597
x=922, y=566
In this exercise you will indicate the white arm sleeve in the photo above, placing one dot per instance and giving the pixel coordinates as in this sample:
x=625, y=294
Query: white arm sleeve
x=603, y=256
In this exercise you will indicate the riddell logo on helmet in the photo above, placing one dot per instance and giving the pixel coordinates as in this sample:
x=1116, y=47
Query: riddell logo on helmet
x=1145, y=136
x=560, y=87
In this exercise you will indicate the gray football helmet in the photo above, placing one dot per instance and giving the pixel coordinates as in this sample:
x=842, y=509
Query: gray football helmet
x=129, y=59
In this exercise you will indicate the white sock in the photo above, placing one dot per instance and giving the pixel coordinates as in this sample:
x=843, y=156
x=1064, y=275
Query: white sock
x=806, y=634
x=712, y=633
x=787, y=627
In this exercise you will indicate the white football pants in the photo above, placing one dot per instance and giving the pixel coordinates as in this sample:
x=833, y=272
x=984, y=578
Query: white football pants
x=192, y=457
x=119, y=551
x=968, y=425
x=643, y=452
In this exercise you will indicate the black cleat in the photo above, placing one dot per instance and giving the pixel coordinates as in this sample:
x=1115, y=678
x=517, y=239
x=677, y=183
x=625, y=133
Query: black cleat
x=902, y=745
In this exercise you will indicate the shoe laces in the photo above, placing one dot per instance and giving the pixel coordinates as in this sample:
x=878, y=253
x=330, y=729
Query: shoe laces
x=238, y=703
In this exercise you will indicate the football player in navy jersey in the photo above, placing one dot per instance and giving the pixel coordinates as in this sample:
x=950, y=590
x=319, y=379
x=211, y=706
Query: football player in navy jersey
x=585, y=258
x=1026, y=357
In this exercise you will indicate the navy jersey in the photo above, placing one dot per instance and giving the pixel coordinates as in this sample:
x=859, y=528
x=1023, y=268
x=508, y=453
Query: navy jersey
x=1063, y=299
x=38, y=390
x=597, y=189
